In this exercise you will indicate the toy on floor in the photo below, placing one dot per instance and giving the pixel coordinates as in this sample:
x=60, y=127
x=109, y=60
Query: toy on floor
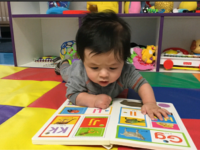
x=178, y=58
x=68, y=51
x=195, y=47
x=148, y=54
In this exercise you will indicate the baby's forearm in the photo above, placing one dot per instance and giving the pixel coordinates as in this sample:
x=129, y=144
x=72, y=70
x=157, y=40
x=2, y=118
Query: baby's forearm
x=85, y=99
x=146, y=93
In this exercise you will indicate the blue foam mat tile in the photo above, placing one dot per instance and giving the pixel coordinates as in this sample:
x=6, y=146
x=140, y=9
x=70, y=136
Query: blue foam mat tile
x=186, y=101
x=7, y=111
x=6, y=58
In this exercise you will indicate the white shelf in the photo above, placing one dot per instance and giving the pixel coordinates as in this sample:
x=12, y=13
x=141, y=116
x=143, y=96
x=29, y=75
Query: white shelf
x=37, y=37
x=29, y=7
x=180, y=32
x=38, y=65
x=144, y=30
x=178, y=70
x=154, y=70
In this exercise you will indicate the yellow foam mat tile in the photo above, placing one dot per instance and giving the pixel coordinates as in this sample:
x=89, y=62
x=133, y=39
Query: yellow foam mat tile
x=23, y=92
x=8, y=70
x=17, y=132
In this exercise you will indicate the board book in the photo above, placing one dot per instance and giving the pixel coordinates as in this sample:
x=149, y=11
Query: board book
x=120, y=124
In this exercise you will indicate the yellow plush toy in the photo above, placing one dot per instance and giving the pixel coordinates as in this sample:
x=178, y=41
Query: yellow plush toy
x=101, y=6
x=167, y=5
x=148, y=54
x=195, y=47
x=191, y=5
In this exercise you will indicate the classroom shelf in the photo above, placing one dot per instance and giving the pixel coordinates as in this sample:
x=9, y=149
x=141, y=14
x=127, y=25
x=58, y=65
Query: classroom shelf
x=36, y=33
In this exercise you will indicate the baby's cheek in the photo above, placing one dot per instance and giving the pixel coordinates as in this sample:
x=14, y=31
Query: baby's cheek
x=115, y=76
x=92, y=76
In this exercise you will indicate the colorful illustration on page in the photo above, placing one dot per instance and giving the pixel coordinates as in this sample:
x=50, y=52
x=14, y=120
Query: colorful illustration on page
x=61, y=126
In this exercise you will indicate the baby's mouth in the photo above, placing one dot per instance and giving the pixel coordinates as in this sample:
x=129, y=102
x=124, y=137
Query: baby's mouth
x=103, y=82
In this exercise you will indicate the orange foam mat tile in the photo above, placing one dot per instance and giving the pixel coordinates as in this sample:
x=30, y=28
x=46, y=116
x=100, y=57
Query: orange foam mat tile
x=17, y=132
x=39, y=74
x=9, y=70
x=54, y=98
x=197, y=75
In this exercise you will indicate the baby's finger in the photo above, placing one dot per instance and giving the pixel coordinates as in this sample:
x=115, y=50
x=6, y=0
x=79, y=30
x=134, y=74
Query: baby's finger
x=110, y=98
x=159, y=116
x=143, y=111
x=151, y=115
x=164, y=113
x=167, y=111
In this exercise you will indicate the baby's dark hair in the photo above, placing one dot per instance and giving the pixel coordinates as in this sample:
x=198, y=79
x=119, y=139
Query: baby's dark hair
x=103, y=32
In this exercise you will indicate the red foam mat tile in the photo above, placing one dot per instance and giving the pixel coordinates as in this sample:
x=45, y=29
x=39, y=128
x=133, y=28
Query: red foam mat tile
x=52, y=99
x=193, y=128
x=123, y=94
x=39, y=74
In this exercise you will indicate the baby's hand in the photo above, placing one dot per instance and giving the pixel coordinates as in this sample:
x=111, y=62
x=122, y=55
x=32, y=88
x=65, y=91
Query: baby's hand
x=152, y=110
x=102, y=101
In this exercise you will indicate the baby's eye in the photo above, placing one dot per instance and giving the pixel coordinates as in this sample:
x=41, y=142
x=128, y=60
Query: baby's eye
x=94, y=68
x=113, y=68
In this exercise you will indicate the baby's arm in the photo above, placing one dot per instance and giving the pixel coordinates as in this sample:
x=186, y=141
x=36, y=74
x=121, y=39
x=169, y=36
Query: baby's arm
x=135, y=81
x=78, y=95
x=100, y=101
x=149, y=103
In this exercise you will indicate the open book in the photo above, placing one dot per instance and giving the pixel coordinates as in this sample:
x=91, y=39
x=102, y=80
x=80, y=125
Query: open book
x=120, y=124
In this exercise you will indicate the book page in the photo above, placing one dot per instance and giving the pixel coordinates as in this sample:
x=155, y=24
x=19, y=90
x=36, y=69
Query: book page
x=131, y=128
x=73, y=125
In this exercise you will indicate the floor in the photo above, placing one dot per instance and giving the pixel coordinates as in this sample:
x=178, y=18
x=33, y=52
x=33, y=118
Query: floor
x=29, y=96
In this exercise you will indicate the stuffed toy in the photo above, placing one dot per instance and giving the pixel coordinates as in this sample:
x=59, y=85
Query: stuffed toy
x=190, y=5
x=148, y=54
x=57, y=7
x=139, y=63
x=167, y=5
x=133, y=54
x=195, y=47
x=102, y=6
x=132, y=7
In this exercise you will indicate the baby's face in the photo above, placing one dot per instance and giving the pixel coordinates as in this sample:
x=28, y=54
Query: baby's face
x=103, y=68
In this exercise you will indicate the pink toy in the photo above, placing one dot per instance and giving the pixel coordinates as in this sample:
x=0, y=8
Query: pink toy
x=135, y=7
x=139, y=63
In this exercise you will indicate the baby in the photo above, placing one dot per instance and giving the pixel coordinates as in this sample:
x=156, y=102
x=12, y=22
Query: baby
x=103, y=44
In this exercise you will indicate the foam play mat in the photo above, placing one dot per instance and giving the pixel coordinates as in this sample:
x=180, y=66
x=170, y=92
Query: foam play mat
x=30, y=96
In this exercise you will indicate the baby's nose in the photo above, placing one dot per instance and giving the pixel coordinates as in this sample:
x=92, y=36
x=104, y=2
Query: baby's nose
x=103, y=73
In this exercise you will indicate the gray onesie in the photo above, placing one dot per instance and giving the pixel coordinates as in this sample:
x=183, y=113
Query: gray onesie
x=78, y=81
